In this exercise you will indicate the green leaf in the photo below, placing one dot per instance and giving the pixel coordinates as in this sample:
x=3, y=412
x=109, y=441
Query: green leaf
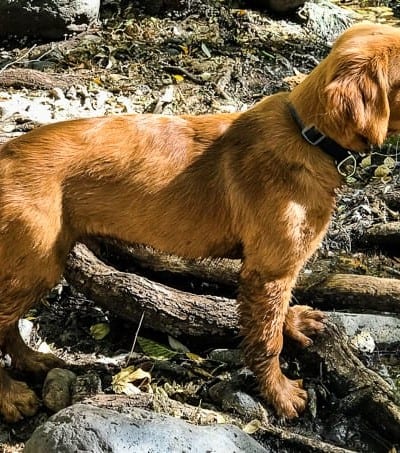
x=156, y=350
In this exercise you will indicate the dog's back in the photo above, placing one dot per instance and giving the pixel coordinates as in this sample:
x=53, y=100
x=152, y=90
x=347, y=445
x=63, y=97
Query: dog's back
x=130, y=176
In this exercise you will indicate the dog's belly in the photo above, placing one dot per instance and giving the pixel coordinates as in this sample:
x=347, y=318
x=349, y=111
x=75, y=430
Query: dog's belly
x=190, y=226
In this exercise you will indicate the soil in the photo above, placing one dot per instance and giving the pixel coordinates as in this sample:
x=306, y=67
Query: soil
x=200, y=57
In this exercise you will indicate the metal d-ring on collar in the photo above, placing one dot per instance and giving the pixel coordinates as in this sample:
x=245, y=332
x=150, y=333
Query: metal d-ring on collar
x=315, y=137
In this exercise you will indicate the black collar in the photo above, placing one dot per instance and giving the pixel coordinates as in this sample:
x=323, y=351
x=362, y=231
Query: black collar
x=316, y=138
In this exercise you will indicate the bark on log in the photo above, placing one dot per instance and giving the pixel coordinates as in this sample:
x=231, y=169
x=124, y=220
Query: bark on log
x=353, y=291
x=364, y=391
x=166, y=309
x=33, y=79
x=386, y=234
x=334, y=291
x=222, y=271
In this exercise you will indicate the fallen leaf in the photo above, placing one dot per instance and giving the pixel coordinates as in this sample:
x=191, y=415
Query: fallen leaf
x=122, y=382
x=196, y=358
x=178, y=78
x=382, y=171
x=99, y=331
x=177, y=345
x=252, y=427
x=156, y=350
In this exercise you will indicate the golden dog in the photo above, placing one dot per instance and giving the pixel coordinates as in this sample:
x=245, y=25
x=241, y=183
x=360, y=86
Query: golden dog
x=197, y=187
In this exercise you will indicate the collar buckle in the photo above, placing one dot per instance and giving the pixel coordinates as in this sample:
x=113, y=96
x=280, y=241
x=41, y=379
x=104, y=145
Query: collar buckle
x=312, y=135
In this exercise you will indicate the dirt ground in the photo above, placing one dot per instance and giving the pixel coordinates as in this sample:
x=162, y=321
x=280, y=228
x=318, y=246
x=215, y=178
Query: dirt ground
x=205, y=56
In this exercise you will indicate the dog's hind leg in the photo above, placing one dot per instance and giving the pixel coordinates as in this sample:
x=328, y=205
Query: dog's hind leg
x=16, y=398
x=26, y=359
x=32, y=255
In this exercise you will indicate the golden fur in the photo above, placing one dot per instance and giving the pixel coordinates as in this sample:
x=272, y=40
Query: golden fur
x=196, y=186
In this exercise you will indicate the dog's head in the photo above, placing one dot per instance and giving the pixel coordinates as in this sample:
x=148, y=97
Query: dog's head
x=361, y=93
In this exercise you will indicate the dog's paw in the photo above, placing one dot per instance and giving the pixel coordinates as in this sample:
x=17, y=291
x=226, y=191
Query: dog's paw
x=17, y=401
x=287, y=396
x=37, y=363
x=302, y=321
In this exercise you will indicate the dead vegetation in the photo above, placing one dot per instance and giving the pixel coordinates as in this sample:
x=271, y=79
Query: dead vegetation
x=211, y=57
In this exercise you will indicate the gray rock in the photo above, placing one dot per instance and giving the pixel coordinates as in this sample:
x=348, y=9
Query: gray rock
x=326, y=20
x=231, y=398
x=383, y=329
x=82, y=428
x=50, y=19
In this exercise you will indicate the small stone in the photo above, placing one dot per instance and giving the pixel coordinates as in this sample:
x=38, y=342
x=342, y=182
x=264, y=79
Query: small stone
x=57, y=93
x=364, y=342
x=57, y=389
x=232, y=398
x=229, y=356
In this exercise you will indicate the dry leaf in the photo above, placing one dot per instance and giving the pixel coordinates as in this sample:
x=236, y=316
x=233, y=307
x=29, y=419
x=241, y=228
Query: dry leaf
x=252, y=427
x=366, y=162
x=382, y=171
x=122, y=382
x=389, y=162
x=177, y=345
x=196, y=358
x=178, y=78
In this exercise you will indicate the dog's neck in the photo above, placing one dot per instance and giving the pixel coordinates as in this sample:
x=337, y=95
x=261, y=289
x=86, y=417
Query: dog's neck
x=308, y=100
x=314, y=137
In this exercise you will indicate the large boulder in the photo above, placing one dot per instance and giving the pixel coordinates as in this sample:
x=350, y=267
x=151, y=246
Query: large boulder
x=49, y=19
x=96, y=430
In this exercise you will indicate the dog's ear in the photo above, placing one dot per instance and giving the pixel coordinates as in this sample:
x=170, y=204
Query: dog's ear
x=357, y=97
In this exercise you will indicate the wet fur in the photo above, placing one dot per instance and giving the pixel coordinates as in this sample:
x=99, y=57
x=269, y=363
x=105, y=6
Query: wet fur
x=196, y=186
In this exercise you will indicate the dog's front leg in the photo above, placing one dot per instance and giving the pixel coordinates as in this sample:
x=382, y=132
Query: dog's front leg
x=263, y=304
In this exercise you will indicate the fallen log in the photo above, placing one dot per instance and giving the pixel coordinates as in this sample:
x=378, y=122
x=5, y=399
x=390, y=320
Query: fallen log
x=177, y=312
x=384, y=234
x=362, y=390
x=33, y=79
x=222, y=271
x=166, y=309
x=333, y=291
x=357, y=292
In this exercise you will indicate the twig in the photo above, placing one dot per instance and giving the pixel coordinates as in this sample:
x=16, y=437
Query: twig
x=18, y=59
x=184, y=72
x=135, y=339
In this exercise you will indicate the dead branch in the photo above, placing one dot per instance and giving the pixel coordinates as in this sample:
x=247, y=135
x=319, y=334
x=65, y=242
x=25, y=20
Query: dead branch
x=385, y=234
x=30, y=78
x=333, y=291
x=363, y=391
x=166, y=309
